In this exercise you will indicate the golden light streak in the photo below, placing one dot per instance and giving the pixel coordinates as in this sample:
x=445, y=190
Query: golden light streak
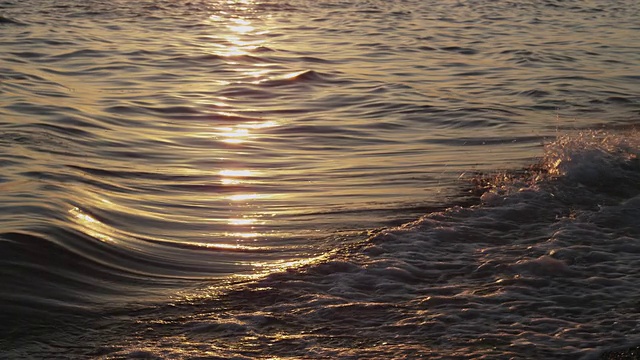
x=257, y=73
x=91, y=226
x=244, y=197
x=244, y=234
x=235, y=136
x=242, y=132
x=234, y=35
x=242, y=221
x=242, y=26
x=266, y=268
x=227, y=181
x=227, y=246
x=260, y=125
x=236, y=173
x=241, y=34
x=241, y=29
x=292, y=75
x=223, y=246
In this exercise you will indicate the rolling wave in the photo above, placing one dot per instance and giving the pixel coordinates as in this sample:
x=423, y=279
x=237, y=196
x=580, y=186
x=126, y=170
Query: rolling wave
x=543, y=267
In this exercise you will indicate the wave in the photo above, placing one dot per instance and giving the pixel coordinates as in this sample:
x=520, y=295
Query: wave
x=543, y=267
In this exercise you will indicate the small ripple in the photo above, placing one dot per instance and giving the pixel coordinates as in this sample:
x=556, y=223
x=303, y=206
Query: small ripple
x=134, y=174
x=459, y=50
x=82, y=53
x=535, y=93
x=302, y=77
x=29, y=54
x=5, y=20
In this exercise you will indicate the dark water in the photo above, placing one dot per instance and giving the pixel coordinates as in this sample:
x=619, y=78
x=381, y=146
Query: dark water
x=319, y=179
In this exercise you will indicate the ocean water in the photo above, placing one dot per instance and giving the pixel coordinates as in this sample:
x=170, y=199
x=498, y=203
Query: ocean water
x=326, y=179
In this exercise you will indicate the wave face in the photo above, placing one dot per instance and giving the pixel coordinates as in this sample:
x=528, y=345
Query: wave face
x=544, y=267
x=185, y=179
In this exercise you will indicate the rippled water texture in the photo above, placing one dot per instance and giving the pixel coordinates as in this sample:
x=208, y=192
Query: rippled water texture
x=155, y=152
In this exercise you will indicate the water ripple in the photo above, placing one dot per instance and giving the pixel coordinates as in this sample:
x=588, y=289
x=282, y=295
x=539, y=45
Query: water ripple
x=150, y=147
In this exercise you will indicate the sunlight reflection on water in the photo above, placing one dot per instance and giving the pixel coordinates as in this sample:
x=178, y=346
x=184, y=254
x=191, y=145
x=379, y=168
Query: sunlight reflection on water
x=155, y=145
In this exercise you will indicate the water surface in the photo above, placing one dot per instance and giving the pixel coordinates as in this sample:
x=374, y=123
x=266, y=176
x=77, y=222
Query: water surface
x=238, y=168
